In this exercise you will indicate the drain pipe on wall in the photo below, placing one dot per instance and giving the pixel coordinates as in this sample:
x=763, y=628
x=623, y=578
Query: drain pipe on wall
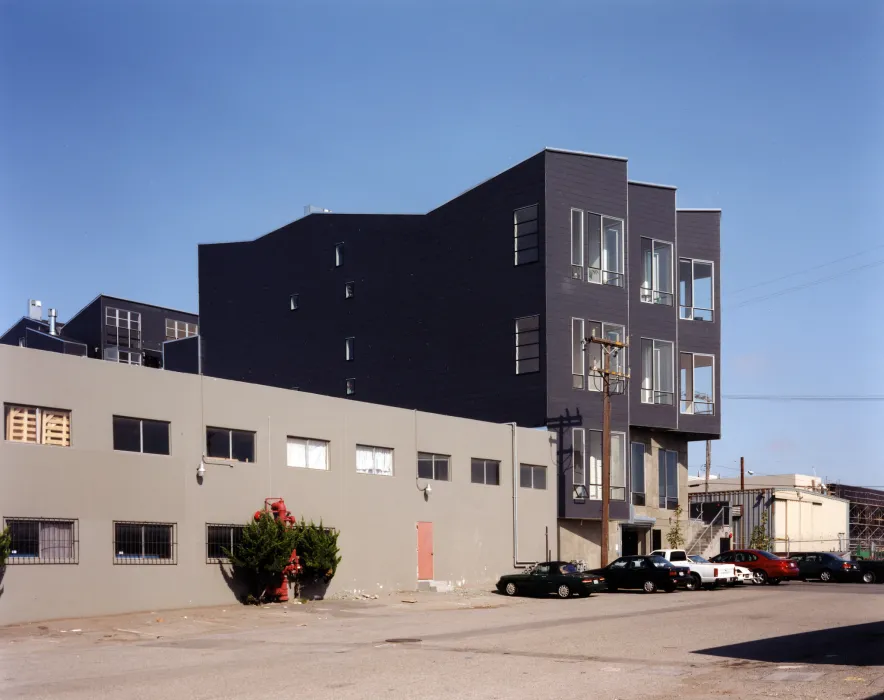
x=515, y=457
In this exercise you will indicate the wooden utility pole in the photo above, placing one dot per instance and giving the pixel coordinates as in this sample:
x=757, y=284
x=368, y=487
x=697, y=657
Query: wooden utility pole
x=609, y=348
x=708, y=462
x=742, y=475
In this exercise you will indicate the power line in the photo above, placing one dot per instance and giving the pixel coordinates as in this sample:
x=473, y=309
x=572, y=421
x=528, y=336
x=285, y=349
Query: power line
x=765, y=297
x=809, y=269
x=798, y=397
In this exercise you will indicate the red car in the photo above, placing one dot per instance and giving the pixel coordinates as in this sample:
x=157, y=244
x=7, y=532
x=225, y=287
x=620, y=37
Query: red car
x=765, y=567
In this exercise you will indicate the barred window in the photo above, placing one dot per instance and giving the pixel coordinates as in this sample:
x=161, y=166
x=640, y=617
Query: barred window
x=219, y=538
x=38, y=426
x=43, y=541
x=145, y=543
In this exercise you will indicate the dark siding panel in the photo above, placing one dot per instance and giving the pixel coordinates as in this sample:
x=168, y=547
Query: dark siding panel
x=699, y=237
x=19, y=330
x=86, y=327
x=651, y=215
x=153, y=321
x=182, y=355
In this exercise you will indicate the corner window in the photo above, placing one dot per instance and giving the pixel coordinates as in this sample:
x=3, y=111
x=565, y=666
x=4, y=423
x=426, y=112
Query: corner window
x=43, y=541
x=667, y=468
x=656, y=272
x=145, y=543
x=657, y=372
x=349, y=290
x=350, y=386
x=38, y=426
x=349, y=345
x=485, y=471
x=234, y=445
x=221, y=539
x=339, y=254
x=532, y=476
x=294, y=302
x=605, y=237
x=576, y=244
x=637, y=465
x=430, y=466
x=618, y=466
x=527, y=344
x=141, y=435
x=306, y=453
x=374, y=460
x=697, y=384
x=179, y=329
x=527, y=236
x=695, y=290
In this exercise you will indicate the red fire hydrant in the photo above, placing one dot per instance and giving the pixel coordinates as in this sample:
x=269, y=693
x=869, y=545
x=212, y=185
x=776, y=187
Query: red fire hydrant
x=276, y=506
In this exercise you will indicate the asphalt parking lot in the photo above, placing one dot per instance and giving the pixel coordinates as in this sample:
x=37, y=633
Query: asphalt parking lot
x=798, y=640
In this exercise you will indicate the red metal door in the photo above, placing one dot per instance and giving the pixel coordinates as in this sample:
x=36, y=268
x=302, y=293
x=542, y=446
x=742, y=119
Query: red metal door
x=424, y=551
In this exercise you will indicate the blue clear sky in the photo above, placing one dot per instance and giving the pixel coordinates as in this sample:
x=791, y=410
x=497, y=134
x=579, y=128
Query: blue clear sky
x=131, y=131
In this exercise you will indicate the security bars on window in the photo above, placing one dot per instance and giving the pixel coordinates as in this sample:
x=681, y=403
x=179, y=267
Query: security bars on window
x=44, y=540
x=145, y=543
x=527, y=344
x=527, y=236
x=219, y=538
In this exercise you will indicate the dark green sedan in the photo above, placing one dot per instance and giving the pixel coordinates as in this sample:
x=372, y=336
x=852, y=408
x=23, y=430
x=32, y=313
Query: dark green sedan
x=551, y=577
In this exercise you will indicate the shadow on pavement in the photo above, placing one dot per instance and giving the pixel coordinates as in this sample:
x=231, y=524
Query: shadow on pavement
x=854, y=645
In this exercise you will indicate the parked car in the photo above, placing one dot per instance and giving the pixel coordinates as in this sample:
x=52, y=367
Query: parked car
x=559, y=577
x=744, y=575
x=827, y=566
x=703, y=573
x=765, y=567
x=649, y=573
x=872, y=570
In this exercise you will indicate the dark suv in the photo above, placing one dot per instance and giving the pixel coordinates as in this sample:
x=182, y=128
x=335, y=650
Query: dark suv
x=827, y=566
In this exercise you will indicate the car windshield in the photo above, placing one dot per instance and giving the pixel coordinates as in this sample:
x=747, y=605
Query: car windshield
x=767, y=555
x=660, y=562
x=697, y=559
x=568, y=569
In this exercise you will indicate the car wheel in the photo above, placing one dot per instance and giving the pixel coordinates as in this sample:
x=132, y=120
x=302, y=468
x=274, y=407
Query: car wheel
x=774, y=581
x=693, y=583
x=759, y=577
x=511, y=589
x=649, y=587
x=826, y=576
x=564, y=591
x=868, y=577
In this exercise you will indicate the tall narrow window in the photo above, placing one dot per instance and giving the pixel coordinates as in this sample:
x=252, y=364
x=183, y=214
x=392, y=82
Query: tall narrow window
x=122, y=336
x=697, y=384
x=527, y=344
x=349, y=344
x=657, y=372
x=577, y=244
x=578, y=456
x=695, y=290
x=667, y=467
x=637, y=465
x=595, y=465
x=656, y=272
x=293, y=302
x=606, y=251
x=339, y=254
x=617, y=481
x=350, y=386
x=349, y=290
x=526, y=235
x=577, y=352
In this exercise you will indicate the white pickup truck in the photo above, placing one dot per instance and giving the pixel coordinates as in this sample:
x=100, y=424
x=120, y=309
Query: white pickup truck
x=703, y=573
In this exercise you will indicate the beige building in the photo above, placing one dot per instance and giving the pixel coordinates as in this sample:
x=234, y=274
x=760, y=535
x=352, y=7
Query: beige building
x=103, y=530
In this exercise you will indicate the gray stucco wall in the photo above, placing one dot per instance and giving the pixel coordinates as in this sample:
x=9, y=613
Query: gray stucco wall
x=376, y=515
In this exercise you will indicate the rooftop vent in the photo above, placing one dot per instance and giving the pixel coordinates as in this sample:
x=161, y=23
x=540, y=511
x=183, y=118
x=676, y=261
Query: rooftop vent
x=313, y=209
x=35, y=309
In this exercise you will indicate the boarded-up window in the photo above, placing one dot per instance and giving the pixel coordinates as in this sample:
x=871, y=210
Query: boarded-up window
x=39, y=426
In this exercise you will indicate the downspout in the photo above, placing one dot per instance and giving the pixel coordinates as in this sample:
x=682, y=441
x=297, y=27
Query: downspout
x=517, y=563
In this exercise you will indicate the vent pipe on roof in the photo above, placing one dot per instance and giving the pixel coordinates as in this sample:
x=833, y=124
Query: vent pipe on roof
x=52, y=329
x=35, y=309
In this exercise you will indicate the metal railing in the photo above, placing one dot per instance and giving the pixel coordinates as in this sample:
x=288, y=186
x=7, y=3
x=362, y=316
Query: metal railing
x=704, y=539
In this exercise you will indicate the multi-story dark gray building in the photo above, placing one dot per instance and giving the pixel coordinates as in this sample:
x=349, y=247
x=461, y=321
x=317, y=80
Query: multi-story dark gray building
x=109, y=328
x=480, y=308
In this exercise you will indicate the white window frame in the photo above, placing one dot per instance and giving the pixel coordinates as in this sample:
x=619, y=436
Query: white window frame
x=654, y=295
x=687, y=313
x=176, y=330
x=307, y=444
x=653, y=395
x=578, y=353
x=578, y=457
x=115, y=318
x=619, y=360
x=375, y=453
x=687, y=405
x=517, y=236
x=577, y=246
x=595, y=450
x=601, y=274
